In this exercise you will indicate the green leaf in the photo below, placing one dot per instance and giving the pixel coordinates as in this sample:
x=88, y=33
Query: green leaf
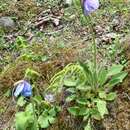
x=101, y=105
x=21, y=102
x=31, y=73
x=85, y=67
x=111, y=96
x=102, y=94
x=38, y=99
x=88, y=126
x=44, y=58
x=84, y=111
x=83, y=88
x=95, y=114
x=118, y=78
x=82, y=101
x=74, y=110
x=72, y=90
x=51, y=120
x=52, y=112
x=29, y=108
x=69, y=82
x=88, y=73
x=43, y=121
x=113, y=82
x=47, y=118
x=57, y=108
x=102, y=77
x=85, y=118
x=33, y=126
x=22, y=120
x=71, y=98
x=115, y=69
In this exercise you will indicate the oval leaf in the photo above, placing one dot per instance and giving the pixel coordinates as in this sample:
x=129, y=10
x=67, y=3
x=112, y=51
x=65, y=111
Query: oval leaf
x=111, y=96
x=101, y=105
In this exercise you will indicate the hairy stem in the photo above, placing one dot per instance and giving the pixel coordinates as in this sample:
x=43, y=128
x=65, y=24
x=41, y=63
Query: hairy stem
x=89, y=20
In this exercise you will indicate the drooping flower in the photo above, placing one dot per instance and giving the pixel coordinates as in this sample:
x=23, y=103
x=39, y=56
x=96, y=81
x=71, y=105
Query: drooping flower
x=23, y=88
x=49, y=98
x=90, y=6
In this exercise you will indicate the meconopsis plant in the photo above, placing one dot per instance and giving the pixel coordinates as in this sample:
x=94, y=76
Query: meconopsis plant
x=88, y=7
x=88, y=86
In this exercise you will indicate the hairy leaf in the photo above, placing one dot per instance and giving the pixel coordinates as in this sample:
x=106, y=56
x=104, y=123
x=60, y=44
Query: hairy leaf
x=84, y=111
x=115, y=69
x=111, y=96
x=43, y=121
x=88, y=126
x=82, y=101
x=102, y=77
x=102, y=94
x=118, y=78
x=101, y=105
x=71, y=98
x=74, y=110
x=22, y=120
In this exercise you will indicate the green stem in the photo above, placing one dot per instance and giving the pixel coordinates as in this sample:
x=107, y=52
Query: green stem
x=94, y=43
x=89, y=20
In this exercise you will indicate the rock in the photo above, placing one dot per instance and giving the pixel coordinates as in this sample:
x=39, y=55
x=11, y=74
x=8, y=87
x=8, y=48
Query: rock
x=109, y=37
x=7, y=23
x=56, y=22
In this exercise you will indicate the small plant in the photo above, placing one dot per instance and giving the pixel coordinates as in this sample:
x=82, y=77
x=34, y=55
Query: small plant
x=37, y=114
x=21, y=43
x=30, y=56
x=89, y=85
x=89, y=93
x=3, y=6
x=115, y=51
x=37, y=111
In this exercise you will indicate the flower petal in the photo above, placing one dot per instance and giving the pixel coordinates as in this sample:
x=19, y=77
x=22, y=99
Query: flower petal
x=18, y=89
x=27, y=90
x=49, y=98
x=90, y=6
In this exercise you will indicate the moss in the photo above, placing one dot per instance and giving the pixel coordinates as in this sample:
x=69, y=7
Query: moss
x=23, y=9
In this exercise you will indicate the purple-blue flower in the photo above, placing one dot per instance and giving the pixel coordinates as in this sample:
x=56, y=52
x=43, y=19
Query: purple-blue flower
x=90, y=6
x=23, y=88
x=49, y=98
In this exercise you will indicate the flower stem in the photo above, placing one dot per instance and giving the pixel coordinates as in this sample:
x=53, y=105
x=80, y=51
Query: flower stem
x=94, y=44
x=89, y=20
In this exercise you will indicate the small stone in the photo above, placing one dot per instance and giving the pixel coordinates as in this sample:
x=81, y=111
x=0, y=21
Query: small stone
x=7, y=23
x=56, y=22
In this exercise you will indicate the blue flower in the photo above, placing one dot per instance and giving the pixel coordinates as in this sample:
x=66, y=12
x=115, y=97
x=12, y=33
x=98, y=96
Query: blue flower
x=23, y=88
x=90, y=6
